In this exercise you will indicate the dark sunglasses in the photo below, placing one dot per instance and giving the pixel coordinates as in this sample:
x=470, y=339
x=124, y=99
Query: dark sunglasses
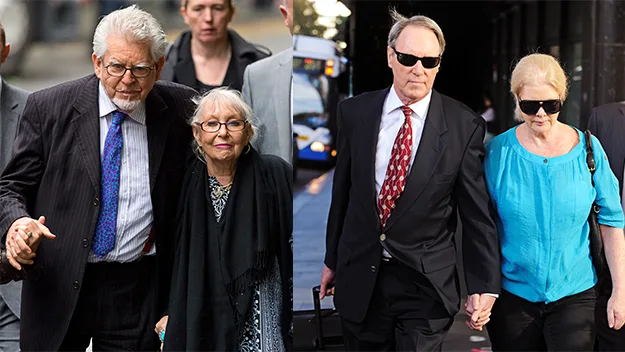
x=411, y=60
x=531, y=107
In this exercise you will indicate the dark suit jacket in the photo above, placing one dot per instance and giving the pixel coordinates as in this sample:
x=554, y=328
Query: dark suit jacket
x=607, y=123
x=55, y=171
x=447, y=174
x=12, y=102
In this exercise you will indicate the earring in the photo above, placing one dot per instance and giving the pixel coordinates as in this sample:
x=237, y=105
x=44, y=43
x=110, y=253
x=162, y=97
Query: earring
x=249, y=147
x=199, y=150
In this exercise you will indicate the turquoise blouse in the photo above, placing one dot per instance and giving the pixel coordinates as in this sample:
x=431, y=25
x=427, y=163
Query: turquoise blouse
x=542, y=209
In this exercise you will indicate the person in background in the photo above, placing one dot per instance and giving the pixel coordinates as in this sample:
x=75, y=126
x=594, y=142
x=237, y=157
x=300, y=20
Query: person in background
x=12, y=102
x=489, y=115
x=540, y=185
x=107, y=6
x=267, y=89
x=233, y=271
x=209, y=54
x=408, y=160
x=607, y=123
x=97, y=162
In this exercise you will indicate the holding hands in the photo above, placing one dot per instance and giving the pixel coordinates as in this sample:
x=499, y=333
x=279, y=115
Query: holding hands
x=23, y=239
x=478, y=309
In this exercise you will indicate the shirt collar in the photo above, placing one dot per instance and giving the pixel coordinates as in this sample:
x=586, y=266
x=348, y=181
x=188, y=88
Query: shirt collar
x=107, y=106
x=419, y=108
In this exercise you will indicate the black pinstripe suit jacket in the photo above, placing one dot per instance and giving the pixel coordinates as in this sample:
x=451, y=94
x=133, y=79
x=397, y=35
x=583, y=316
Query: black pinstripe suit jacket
x=55, y=171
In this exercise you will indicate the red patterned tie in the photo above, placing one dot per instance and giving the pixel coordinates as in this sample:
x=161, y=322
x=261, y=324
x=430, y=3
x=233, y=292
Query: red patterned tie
x=397, y=170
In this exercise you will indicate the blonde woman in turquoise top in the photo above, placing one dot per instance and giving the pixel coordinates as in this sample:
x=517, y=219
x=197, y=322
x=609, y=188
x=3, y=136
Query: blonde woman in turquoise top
x=542, y=193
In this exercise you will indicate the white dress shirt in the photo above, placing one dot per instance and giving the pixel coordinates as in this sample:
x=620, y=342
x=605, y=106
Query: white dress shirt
x=134, y=208
x=392, y=119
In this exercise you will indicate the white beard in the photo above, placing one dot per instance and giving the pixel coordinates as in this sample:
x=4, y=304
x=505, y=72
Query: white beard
x=126, y=105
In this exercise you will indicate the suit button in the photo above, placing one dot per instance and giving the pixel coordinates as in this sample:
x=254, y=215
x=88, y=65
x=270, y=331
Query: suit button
x=373, y=269
x=76, y=285
x=96, y=202
x=382, y=237
x=85, y=243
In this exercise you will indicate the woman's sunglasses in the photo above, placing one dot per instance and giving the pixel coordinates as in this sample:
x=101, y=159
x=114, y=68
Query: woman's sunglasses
x=411, y=60
x=531, y=107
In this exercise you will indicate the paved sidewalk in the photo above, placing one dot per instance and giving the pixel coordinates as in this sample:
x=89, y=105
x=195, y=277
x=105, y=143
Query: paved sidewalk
x=310, y=216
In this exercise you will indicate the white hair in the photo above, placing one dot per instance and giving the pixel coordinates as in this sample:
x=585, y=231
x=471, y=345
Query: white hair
x=400, y=22
x=134, y=23
x=223, y=98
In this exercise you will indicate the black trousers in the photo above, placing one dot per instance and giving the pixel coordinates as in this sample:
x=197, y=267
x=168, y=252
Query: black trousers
x=564, y=325
x=116, y=308
x=405, y=314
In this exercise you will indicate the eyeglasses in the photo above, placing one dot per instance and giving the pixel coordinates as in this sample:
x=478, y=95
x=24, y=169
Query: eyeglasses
x=411, y=60
x=531, y=107
x=118, y=70
x=213, y=126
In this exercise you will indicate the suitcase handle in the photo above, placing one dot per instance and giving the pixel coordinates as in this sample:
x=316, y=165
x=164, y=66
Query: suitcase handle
x=316, y=291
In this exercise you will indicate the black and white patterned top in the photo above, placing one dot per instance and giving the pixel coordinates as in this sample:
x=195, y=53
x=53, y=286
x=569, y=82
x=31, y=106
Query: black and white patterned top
x=262, y=330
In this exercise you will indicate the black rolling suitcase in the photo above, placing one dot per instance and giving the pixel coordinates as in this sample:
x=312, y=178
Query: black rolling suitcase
x=319, y=329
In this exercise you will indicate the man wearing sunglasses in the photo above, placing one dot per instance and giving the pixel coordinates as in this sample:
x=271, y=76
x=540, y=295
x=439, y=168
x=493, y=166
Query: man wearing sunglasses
x=408, y=159
x=607, y=123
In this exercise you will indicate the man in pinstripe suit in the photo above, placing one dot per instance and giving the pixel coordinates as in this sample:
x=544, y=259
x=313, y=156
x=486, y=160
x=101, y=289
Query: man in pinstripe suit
x=12, y=101
x=98, y=162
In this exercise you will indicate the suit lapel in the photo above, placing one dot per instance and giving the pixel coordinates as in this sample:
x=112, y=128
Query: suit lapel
x=157, y=126
x=371, y=117
x=429, y=153
x=86, y=125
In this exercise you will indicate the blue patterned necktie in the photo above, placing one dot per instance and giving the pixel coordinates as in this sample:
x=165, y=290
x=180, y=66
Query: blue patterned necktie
x=104, y=239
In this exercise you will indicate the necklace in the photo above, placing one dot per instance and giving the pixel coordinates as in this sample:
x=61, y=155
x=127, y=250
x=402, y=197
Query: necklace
x=220, y=189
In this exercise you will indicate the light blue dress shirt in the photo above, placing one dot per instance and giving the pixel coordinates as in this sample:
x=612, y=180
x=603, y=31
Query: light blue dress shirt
x=543, y=206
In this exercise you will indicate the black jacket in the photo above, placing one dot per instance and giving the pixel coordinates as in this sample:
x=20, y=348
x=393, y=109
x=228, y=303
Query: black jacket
x=446, y=176
x=179, y=65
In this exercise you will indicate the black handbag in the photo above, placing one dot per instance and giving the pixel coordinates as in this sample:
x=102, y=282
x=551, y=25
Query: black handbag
x=596, y=241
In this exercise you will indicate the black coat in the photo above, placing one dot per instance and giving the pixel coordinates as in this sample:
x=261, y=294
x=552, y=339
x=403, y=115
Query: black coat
x=446, y=175
x=55, y=171
x=179, y=65
x=607, y=123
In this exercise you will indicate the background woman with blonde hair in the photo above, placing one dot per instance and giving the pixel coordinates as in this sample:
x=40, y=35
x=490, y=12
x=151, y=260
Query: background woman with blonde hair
x=541, y=188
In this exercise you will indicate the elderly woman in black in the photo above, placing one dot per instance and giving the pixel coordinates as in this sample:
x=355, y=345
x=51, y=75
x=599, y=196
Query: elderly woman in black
x=232, y=277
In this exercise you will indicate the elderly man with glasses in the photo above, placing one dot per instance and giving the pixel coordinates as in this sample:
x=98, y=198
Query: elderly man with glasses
x=408, y=159
x=97, y=169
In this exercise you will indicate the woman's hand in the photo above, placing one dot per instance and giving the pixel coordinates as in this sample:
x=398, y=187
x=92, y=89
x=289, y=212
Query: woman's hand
x=614, y=245
x=160, y=328
x=616, y=311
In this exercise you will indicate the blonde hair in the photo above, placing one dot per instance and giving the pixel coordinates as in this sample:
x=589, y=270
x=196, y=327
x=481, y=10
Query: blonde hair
x=536, y=69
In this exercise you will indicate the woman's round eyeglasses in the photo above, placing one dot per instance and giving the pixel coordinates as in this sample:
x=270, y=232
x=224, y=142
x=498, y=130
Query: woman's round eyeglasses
x=212, y=126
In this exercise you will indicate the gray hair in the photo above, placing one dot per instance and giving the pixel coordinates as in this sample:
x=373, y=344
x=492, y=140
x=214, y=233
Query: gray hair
x=134, y=22
x=222, y=98
x=400, y=22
